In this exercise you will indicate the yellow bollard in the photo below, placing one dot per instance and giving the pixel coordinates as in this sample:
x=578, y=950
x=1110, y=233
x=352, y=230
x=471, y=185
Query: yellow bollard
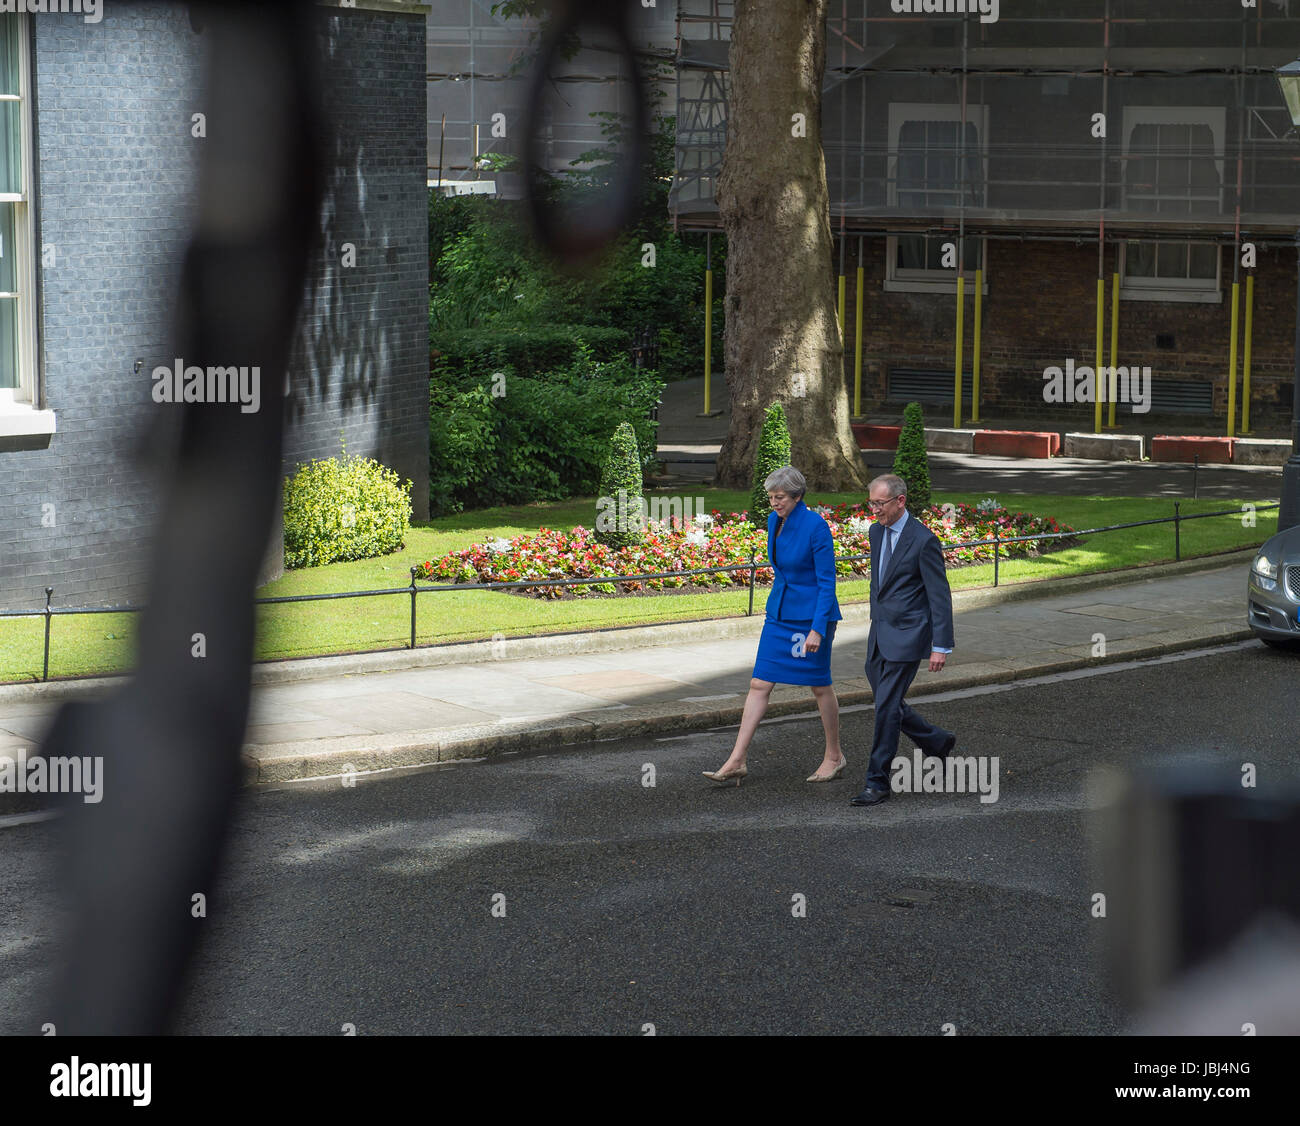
x=708, y=335
x=1232, y=362
x=1114, y=341
x=1245, y=358
x=1096, y=382
x=956, y=393
x=975, y=349
x=857, y=344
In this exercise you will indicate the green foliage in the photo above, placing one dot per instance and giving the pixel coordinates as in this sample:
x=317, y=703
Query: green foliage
x=911, y=462
x=338, y=509
x=618, y=518
x=530, y=351
x=486, y=275
x=540, y=436
x=773, y=452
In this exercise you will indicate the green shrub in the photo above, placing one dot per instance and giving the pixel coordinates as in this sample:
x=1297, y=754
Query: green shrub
x=773, y=452
x=537, y=438
x=343, y=508
x=910, y=460
x=529, y=351
x=618, y=506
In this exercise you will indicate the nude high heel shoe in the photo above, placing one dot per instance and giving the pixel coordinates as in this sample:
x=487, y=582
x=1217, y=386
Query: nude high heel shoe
x=726, y=776
x=831, y=776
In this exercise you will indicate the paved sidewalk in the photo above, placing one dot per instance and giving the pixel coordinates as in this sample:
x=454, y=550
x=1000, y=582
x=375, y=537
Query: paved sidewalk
x=421, y=715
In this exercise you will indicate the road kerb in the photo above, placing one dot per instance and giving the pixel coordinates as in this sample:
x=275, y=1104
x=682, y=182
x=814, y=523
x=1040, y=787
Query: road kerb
x=610, y=640
x=665, y=718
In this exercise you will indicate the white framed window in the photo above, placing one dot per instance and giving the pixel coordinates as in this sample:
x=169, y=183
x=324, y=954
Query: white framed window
x=18, y=367
x=1173, y=165
x=936, y=160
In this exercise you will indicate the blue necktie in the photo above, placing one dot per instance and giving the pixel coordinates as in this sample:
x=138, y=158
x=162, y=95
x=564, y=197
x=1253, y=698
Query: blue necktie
x=884, y=554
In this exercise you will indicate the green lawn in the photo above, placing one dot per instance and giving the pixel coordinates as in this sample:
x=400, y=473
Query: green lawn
x=100, y=643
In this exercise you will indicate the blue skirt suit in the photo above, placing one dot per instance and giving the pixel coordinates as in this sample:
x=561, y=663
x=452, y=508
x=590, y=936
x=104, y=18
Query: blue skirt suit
x=802, y=599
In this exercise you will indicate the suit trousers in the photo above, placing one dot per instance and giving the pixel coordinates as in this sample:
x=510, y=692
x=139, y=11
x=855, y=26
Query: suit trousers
x=890, y=681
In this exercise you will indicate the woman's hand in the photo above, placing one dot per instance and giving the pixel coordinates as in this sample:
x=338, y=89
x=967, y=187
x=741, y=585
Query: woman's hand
x=813, y=641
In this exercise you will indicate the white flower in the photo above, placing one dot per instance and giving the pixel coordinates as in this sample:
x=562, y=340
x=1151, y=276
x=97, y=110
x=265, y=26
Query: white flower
x=697, y=536
x=823, y=511
x=858, y=525
x=703, y=520
x=498, y=546
x=988, y=504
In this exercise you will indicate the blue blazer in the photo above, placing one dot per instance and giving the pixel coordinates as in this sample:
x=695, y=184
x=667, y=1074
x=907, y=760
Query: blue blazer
x=804, y=588
x=911, y=611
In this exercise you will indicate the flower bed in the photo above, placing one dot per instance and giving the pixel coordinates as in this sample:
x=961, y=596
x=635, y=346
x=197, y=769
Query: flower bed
x=718, y=540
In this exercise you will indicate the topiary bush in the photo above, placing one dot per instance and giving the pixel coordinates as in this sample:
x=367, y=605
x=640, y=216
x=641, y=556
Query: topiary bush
x=618, y=507
x=337, y=509
x=773, y=452
x=911, y=462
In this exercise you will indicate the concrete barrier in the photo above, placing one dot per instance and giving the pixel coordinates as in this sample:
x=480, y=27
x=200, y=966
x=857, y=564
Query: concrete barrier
x=1211, y=450
x=1105, y=447
x=872, y=437
x=1017, y=443
x=1261, y=451
x=950, y=441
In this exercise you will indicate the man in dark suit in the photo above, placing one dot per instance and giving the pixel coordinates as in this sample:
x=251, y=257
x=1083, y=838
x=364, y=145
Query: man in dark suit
x=911, y=616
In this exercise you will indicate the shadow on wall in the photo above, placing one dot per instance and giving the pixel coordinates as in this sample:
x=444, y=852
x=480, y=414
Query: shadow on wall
x=343, y=342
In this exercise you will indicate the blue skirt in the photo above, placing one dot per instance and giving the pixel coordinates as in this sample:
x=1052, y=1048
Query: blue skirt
x=778, y=661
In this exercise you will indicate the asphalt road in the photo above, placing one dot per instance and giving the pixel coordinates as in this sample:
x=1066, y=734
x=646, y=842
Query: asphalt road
x=673, y=905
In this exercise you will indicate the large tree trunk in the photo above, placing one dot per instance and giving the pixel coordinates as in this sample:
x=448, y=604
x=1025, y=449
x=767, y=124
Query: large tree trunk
x=782, y=339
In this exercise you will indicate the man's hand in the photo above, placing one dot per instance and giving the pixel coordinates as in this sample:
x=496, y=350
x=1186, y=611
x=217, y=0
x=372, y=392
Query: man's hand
x=812, y=642
x=937, y=661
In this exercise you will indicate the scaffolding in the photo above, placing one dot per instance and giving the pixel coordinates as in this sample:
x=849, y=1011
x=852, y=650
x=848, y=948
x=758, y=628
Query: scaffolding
x=473, y=74
x=937, y=122
x=1152, y=129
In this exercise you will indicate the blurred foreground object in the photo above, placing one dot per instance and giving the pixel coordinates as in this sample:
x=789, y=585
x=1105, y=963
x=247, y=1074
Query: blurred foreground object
x=1202, y=891
x=170, y=739
x=575, y=236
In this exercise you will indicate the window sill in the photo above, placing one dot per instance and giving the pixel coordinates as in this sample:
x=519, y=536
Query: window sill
x=24, y=428
x=1205, y=296
x=946, y=286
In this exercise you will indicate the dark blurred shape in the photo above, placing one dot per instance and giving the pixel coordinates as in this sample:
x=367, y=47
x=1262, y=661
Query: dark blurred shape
x=575, y=236
x=1193, y=865
x=171, y=738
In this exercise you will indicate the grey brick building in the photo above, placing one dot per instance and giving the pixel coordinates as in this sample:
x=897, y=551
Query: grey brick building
x=99, y=148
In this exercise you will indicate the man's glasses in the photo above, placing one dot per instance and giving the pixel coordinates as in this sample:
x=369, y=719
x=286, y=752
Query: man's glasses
x=877, y=505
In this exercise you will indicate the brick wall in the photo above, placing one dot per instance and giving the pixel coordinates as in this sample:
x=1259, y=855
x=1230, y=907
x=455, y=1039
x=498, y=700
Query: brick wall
x=116, y=167
x=1040, y=310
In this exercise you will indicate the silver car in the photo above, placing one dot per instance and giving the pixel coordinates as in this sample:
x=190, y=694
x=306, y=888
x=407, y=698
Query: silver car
x=1273, y=592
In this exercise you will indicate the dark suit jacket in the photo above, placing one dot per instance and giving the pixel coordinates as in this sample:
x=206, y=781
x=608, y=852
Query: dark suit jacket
x=804, y=587
x=911, y=610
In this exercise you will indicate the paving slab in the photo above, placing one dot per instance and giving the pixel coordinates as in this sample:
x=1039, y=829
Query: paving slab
x=409, y=717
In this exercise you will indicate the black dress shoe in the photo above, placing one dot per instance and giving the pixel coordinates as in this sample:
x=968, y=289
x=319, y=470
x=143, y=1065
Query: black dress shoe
x=945, y=750
x=870, y=797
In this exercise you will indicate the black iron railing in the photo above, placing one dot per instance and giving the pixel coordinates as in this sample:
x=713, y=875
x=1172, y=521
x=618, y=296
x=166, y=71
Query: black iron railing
x=413, y=590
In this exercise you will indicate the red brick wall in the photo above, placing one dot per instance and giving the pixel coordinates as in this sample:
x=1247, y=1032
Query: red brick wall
x=1040, y=310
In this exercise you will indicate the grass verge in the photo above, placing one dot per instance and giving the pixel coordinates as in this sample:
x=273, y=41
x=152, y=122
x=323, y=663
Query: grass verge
x=93, y=644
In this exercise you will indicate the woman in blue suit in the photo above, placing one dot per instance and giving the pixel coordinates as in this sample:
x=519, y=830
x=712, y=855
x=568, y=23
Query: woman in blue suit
x=801, y=614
